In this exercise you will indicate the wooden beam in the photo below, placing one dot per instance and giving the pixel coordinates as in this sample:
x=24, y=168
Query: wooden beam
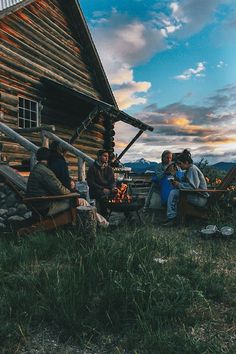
x=130, y=144
x=18, y=138
x=50, y=128
x=92, y=115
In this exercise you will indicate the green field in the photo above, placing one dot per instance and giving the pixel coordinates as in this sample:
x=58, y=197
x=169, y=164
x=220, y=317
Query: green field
x=136, y=290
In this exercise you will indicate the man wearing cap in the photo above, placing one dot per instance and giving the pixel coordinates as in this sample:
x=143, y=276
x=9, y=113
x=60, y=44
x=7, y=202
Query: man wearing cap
x=101, y=182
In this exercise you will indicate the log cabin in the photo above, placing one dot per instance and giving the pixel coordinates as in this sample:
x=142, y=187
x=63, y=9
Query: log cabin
x=51, y=76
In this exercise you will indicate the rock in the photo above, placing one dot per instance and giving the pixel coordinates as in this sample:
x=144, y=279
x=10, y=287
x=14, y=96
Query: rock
x=2, y=226
x=7, y=190
x=11, y=211
x=1, y=220
x=3, y=212
x=11, y=200
x=15, y=218
x=2, y=195
x=21, y=209
x=27, y=215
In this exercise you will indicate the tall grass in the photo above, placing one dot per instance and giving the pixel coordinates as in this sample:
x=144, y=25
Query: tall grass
x=158, y=291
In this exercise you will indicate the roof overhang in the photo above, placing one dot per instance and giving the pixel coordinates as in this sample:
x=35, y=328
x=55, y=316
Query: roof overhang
x=111, y=110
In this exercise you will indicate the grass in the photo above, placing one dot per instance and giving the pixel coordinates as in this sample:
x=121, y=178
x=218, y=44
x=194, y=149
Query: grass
x=152, y=290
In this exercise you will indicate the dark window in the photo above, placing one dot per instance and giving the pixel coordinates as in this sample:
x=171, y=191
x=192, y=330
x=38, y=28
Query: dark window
x=28, y=113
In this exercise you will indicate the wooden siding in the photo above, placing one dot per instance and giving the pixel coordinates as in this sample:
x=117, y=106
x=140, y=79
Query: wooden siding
x=38, y=42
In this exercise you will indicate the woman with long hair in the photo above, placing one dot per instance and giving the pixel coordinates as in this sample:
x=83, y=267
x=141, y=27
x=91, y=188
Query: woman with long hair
x=193, y=179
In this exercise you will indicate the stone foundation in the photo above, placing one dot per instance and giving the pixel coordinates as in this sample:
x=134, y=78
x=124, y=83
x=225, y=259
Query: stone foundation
x=11, y=207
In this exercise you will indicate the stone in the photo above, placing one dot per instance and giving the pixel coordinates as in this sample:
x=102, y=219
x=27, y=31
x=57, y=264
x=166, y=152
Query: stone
x=15, y=218
x=1, y=220
x=11, y=211
x=7, y=190
x=28, y=215
x=3, y=212
x=21, y=209
x=2, y=195
x=11, y=200
x=2, y=226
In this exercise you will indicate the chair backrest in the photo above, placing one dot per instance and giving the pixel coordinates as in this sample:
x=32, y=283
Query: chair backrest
x=227, y=181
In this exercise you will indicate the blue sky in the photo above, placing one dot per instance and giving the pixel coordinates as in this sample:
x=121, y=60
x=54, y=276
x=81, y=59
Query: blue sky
x=171, y=64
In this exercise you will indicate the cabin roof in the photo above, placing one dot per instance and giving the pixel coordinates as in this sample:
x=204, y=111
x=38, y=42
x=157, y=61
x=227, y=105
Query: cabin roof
x=9, y=6
x=119, y=115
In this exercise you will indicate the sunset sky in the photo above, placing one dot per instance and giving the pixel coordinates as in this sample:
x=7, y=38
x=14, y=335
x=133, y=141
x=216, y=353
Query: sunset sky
x=171, y=64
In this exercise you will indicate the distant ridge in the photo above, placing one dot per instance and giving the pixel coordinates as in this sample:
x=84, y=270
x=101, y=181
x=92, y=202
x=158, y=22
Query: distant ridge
x=224, y=166
x=141, y=166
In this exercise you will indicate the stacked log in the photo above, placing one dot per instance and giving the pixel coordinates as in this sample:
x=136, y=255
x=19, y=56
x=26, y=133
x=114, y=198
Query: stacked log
x=38, y=42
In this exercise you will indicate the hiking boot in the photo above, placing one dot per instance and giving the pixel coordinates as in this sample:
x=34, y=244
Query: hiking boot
x=169, y=222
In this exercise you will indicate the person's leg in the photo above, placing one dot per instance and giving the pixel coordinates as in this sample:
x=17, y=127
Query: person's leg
x=100, y=219
x=149, y=196
x=172, y=204
x=58, y=206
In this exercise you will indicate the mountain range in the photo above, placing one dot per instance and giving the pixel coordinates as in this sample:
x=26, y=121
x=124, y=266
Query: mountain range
x=143, y=166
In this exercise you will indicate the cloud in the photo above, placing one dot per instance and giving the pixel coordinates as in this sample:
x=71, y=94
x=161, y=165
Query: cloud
x=208, y=130
x=127, y=95
x=221, y=64
x=192, y=73
x=124, y=43
x=194, y=15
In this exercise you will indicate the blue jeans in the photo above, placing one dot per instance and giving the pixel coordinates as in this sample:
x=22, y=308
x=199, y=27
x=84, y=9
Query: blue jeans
x=173, y=199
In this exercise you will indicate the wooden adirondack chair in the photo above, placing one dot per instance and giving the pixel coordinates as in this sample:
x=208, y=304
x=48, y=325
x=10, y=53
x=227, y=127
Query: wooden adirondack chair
x=38, y=221
x=186, y=209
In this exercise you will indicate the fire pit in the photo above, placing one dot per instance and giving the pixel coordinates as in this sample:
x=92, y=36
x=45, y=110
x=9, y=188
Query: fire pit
x=126, y=206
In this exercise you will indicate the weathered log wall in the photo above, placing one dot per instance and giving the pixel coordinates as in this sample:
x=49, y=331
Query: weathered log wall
x=38, y=42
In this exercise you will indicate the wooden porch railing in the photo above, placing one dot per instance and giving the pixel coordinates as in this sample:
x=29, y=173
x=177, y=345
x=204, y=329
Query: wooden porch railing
x=46, y=135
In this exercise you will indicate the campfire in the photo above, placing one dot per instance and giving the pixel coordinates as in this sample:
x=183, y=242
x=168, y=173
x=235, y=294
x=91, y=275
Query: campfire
x=122, y=202
x=121, y=195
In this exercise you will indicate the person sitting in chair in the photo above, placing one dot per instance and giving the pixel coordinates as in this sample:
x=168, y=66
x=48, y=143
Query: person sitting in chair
x=153, y=199
x=43, y=182
x=100, y=179
x=193, y=179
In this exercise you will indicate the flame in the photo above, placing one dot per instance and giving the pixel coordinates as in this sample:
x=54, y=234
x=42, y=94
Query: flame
x=122, y=195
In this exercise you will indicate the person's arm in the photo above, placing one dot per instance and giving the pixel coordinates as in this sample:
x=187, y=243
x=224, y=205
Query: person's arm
x=111, y=179
x=53, y=185
x=159, y=172
x=192, y=180
x=91, y=180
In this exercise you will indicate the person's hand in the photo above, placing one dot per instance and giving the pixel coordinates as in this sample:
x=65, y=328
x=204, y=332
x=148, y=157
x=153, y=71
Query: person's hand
x=106, y=191
x=72, y=184
x=175, y=183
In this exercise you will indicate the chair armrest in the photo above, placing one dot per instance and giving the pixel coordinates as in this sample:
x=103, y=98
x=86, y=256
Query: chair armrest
x=52, y=197
x=203, y=190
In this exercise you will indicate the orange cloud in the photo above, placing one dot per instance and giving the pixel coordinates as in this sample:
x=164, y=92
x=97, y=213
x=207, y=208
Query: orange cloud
x=180, y=121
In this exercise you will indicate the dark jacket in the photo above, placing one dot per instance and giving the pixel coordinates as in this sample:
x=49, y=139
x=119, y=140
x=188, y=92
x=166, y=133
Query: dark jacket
x=99, y=178
x=59, y=166
x=42, y=182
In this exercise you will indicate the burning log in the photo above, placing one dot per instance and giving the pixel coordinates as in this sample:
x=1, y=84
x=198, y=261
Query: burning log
x=121, y=195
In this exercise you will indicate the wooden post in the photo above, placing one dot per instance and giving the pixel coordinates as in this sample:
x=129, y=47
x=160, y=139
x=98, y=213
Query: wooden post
x=33, y=161
x=81, y=170
x=129, y=145
x=45, y=140
x=87, y=222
